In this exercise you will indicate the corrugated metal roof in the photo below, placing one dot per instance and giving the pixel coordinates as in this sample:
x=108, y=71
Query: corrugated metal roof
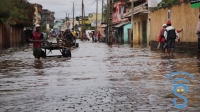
x=120, y=24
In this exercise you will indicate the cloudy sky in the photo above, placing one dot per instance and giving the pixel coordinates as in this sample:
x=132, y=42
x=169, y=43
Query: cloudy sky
x=61, y=7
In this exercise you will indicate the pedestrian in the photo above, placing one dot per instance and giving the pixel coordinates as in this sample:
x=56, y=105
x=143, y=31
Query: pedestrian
x=94, y=36
x=114, y=36
x=37, y=36
x=161, y=39
x=99, y=35
x=198, y=33
x=170, y=36
x=69, y=36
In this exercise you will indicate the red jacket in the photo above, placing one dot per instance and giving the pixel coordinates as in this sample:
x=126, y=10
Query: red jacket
x=160, y=38
x=37, y=36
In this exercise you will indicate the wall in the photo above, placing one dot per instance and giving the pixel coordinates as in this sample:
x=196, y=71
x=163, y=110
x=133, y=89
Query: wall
x=182, y=17
x=137, y=39
x=126, y=27
x=99, y=17
x=10, y=36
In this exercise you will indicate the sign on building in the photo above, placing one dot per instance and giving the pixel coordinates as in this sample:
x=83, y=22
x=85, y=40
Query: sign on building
x=153, y=3
x=195, y=3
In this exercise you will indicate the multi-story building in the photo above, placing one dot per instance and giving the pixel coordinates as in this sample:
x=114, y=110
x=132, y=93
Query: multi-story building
x=69, y=23
x=37, y=14
x=48, y=17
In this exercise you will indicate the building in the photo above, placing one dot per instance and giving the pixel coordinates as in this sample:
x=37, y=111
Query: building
x=59, y=25
x=37, y=14
x=141, y=22
x=48, y=17
x=92, y=19
x=119, y=10
x=68, y=24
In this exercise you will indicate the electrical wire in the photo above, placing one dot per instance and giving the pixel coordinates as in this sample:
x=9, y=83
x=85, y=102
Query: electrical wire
x=90, y=4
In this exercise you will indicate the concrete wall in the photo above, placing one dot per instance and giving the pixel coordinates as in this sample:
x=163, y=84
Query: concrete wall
x=182, y=17
x=126, y=27
x=138, y=19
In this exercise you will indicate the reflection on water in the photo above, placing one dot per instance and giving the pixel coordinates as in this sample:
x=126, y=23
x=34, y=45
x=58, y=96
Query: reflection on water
x=38, y=65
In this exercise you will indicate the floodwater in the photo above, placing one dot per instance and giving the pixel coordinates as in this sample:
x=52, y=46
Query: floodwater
x=97, y=78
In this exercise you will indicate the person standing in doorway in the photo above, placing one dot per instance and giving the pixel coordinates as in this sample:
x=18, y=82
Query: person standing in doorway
x=198, y=33
x=170, y=35
x=114, y=36
x=37, y=36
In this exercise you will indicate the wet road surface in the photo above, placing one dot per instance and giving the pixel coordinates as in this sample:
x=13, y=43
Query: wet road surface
x=96, y=79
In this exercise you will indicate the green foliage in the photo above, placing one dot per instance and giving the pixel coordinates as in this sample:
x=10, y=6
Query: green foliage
x=166, y=3
x=8, y=21
x=17, y=11
x=43, y=27
x=4, y=8
x=105, y=12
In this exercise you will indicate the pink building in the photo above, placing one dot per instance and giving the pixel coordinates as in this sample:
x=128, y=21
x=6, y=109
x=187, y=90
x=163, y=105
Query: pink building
x=118, y=12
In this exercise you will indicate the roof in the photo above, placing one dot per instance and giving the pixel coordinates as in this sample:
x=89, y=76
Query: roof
x=120, y=24
x=103, y=26
x=141, y=12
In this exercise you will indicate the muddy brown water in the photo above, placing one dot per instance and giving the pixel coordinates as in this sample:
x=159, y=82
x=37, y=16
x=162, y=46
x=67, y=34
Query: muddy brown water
x=96, y=78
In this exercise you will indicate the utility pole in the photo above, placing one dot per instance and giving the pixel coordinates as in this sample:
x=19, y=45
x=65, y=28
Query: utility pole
x=132, y=22
x=82, y=22
x=96, y=13
x=102, y=11
x=73, y=15
x=84, y=15
x=110, y=7
x=107, y=11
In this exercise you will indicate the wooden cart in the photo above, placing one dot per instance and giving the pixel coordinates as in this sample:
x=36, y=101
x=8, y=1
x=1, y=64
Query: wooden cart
x=63, y=45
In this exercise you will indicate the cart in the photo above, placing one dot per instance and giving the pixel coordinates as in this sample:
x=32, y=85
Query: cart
x=63, y=45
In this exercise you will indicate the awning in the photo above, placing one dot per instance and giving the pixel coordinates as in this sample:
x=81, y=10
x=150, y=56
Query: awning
x=103, y=26
x=120, y=24
x=131, y=14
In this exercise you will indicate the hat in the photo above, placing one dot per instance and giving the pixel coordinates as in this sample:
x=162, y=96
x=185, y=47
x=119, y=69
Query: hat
x=37, y=25
x=168, y=23
x=164, y=25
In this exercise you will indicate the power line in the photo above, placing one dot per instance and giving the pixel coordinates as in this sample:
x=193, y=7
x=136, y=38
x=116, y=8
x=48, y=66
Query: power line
x=90, y=4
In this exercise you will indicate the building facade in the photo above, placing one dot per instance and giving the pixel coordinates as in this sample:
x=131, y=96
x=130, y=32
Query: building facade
x=48, y=17
x=37, y=14
x=68, y=24
x=92, y=19
x=140, y=22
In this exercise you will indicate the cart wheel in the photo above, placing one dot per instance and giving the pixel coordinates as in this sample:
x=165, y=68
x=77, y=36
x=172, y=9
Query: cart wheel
x=66, y=53
x=43, y=54
x=77, y=45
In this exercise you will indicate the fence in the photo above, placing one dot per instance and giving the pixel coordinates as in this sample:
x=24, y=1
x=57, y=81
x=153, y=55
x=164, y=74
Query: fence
x=10, y=36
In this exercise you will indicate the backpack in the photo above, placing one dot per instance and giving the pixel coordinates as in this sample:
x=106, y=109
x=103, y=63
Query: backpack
x=163, y=33
x=171, y=34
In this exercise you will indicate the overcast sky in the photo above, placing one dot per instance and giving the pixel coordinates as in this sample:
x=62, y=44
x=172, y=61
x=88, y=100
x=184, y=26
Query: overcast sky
x=61, y=7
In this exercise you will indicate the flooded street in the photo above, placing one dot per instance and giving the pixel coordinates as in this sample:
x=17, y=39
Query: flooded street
x=96, y=79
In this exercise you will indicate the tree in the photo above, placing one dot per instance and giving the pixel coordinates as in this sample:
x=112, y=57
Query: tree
x=17, y=12
x=43, y=27
x=166, y=3
x=105, y=12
